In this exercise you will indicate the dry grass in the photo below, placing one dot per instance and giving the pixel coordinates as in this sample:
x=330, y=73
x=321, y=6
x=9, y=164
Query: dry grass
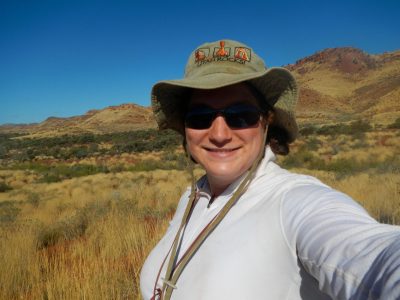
x=85, y=238
x=379, y=194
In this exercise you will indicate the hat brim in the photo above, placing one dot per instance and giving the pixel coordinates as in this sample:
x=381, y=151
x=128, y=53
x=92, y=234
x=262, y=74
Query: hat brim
x=277, y=85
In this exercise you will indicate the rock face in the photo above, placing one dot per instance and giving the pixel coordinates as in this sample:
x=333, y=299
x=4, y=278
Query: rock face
x=336, y=85
x=346, y=60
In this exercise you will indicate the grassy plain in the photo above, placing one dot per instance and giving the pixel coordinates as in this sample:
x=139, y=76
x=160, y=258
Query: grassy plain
x=77, y=235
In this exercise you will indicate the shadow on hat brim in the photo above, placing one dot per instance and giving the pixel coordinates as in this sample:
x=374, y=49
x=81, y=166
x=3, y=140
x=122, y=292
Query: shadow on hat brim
x=278, y=86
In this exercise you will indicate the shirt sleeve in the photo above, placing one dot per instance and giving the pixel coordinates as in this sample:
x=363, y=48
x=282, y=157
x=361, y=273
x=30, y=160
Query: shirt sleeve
x=350, y=254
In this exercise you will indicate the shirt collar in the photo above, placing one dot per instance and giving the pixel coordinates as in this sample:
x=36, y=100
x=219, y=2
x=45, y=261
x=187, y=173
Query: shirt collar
x=269, y=157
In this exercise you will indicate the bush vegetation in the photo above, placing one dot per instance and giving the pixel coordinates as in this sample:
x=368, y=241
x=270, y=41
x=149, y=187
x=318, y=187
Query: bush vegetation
x=395, y=124
x=4, y=187
x=304, y=158
x=8, y=212
x=58, y=172
x=80, y=146
x=354, y=128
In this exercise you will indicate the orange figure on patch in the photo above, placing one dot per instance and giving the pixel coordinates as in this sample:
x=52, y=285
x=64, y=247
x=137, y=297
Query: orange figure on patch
x=200, y=55
x=241, y=54
x=221, y=51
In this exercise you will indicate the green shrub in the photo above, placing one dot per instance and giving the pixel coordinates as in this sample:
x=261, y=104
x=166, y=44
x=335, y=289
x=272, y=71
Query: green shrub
x=146, y=140
x=60, y=172
x=387, y=218
x=354, y=128
x=33, y=199
x=359, y=126
x=179, y=160
x=55, y=173
x=308, y=130
x=360, y=143
x=65, y=230
x=50, y=178
x=4, y=187
x=151, y=165
x=341, y=167
x=395, y=124
x=301, y=158
x=117, y=168
x=3, y=152
x=313, y=143
x=72, y=227
x=79, y=152
x=8, y=212
x=390, y=165
x=169, y=156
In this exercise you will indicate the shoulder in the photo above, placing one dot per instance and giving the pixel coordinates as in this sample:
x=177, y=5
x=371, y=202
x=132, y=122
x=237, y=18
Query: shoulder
x=298, y=191
x=275, y=177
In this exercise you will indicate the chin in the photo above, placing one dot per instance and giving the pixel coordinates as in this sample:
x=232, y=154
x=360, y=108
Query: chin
x=226, y=173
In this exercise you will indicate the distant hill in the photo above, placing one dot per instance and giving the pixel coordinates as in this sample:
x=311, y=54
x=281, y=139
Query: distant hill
x=125, y=117
x=336, y=85
x=342, y=84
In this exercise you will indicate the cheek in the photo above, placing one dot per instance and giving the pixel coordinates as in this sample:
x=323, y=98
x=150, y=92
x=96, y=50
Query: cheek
x=254, y=141
x=190, y=135
x=193, y=137
x=253, y=136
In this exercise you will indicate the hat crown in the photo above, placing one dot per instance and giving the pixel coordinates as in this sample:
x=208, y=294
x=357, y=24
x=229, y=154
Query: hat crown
x=223, y=56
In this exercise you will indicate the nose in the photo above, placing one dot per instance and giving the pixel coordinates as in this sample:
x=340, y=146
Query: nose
x=219, y=133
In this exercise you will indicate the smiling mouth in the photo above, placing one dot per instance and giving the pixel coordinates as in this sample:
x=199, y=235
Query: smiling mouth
x=221, y=150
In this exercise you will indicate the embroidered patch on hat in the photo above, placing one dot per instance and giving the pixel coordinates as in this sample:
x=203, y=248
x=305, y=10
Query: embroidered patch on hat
x=222, y=53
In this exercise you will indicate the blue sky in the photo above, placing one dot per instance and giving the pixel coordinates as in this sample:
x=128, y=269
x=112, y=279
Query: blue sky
x=63, y=58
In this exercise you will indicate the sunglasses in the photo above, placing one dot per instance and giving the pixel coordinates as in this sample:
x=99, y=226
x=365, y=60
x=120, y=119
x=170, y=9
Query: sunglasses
x=236, y=116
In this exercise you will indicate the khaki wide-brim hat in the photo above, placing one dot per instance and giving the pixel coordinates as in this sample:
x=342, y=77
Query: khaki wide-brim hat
x=222, y=63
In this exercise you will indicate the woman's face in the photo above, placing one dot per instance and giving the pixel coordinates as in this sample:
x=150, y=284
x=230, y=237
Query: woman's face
x=225, y=153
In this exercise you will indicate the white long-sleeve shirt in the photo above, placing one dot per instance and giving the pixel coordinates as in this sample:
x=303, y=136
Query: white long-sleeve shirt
x=289, y=236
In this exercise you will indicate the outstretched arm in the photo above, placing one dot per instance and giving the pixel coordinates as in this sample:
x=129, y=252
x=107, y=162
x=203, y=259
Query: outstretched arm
x=350, y=254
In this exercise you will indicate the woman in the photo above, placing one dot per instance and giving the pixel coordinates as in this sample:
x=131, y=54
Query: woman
x=249, y=229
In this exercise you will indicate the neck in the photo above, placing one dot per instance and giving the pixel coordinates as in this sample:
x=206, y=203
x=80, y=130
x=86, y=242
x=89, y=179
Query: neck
x=216, y=191
x=218, y=185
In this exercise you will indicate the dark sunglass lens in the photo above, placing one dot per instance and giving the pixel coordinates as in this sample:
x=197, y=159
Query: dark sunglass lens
x=242, y=117
x=199, y=119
